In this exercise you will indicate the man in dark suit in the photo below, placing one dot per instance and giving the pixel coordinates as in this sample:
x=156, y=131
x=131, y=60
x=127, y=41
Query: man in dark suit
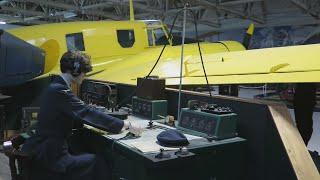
x=304, y=102
x=60, y=109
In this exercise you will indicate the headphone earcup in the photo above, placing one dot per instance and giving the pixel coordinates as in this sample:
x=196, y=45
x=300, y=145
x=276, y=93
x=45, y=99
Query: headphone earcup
x=76, y=69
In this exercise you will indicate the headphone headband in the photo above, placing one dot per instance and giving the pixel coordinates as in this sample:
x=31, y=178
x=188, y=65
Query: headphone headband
x=76, y=62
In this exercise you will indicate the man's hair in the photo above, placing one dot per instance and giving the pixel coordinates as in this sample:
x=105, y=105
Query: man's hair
x=76, y=62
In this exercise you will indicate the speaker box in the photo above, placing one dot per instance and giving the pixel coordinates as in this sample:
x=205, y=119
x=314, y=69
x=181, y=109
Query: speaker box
x=229, y=90
x=151, y=88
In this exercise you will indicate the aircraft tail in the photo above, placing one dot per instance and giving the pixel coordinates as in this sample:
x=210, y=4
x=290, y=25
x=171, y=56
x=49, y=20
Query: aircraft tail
x=131, y=11
x=248, y=36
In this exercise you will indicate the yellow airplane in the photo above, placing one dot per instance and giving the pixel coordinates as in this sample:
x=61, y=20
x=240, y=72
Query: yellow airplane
x=129, y=46
x=121, y=51
x=124, y=50
x=29, y=54
x=111, y=43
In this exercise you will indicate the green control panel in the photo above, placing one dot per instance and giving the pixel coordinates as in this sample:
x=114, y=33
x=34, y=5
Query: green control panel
x=151, y=109
x=209, y=125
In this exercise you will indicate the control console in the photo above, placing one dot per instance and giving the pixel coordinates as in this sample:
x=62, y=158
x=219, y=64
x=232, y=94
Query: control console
x=99, y=93
x=151, y=109
x=143, y=158
x=212, y=123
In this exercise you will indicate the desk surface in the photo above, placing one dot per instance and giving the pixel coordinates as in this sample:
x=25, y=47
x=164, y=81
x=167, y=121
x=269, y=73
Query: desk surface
x=139, y=158
x=147, y=142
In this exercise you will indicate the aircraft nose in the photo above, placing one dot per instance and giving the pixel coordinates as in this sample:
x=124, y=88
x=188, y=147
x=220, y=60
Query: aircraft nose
x=19, y=60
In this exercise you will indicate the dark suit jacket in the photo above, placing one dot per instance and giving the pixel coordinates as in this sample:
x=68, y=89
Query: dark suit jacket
x=60, y=109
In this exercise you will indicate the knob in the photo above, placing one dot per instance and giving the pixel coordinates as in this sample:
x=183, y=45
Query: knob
x=150, y=125
x=183, y=151
x=162, y=154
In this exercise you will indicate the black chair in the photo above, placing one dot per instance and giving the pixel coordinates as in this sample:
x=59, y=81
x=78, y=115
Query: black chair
x=19, y=162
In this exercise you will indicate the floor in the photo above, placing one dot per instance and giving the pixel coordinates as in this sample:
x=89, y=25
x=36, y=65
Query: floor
x=314, y=144
x=4, y=168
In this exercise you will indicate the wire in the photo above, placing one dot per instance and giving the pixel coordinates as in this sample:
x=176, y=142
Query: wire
x=119, y=105
x=199, y=48
x=219, y=42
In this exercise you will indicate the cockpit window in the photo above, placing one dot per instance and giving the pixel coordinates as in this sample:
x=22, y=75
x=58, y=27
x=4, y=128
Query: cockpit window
x=150, y=37
x=160, y=37
x=168, y=32
x=126, y=38
x=75, y=42
x=157, y=33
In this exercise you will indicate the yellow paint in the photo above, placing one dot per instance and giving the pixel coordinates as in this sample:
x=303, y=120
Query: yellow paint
x=272, y=65
x=277, y=67
x=114, y=63
x=101, y=43
x=131, y=11
x=51, y=47
x=250, y=29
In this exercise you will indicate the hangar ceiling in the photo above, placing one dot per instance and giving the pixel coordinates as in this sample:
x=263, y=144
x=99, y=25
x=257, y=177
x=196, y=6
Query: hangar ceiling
x=212, y=15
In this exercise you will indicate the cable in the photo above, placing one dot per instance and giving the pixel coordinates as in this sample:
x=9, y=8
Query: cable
x=219, y=42
x=119, y=105
x=200, y=53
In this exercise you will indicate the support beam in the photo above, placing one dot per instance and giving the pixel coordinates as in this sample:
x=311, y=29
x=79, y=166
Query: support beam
x=235, y=12
x=264, y=9
x=73, y=8
x=140, y=6
x=35, y=14
x=98, y=5
x=21, y=11
x=54, y=4
x=232, y=3
x=304, y=8
x=300, y=4
x=171, y=13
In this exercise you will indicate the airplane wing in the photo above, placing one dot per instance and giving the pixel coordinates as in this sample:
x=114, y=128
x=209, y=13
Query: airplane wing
x=272, y=65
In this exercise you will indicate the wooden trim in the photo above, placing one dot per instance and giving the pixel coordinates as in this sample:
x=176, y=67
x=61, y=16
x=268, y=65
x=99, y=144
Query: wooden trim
x=254, y=101
x=297, y=152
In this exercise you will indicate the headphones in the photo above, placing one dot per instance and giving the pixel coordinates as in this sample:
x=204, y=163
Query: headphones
x=77, y=64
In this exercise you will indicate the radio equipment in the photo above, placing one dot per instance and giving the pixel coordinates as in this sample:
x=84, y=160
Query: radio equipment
x=99, y=93
x=214, y=123
x=151, y=109
x=151, y=88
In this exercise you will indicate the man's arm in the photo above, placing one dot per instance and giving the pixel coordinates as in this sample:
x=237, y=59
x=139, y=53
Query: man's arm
x=78, y=110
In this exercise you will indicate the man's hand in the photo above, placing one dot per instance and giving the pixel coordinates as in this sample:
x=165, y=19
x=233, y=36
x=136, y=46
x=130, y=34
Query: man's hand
x=133, y=128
